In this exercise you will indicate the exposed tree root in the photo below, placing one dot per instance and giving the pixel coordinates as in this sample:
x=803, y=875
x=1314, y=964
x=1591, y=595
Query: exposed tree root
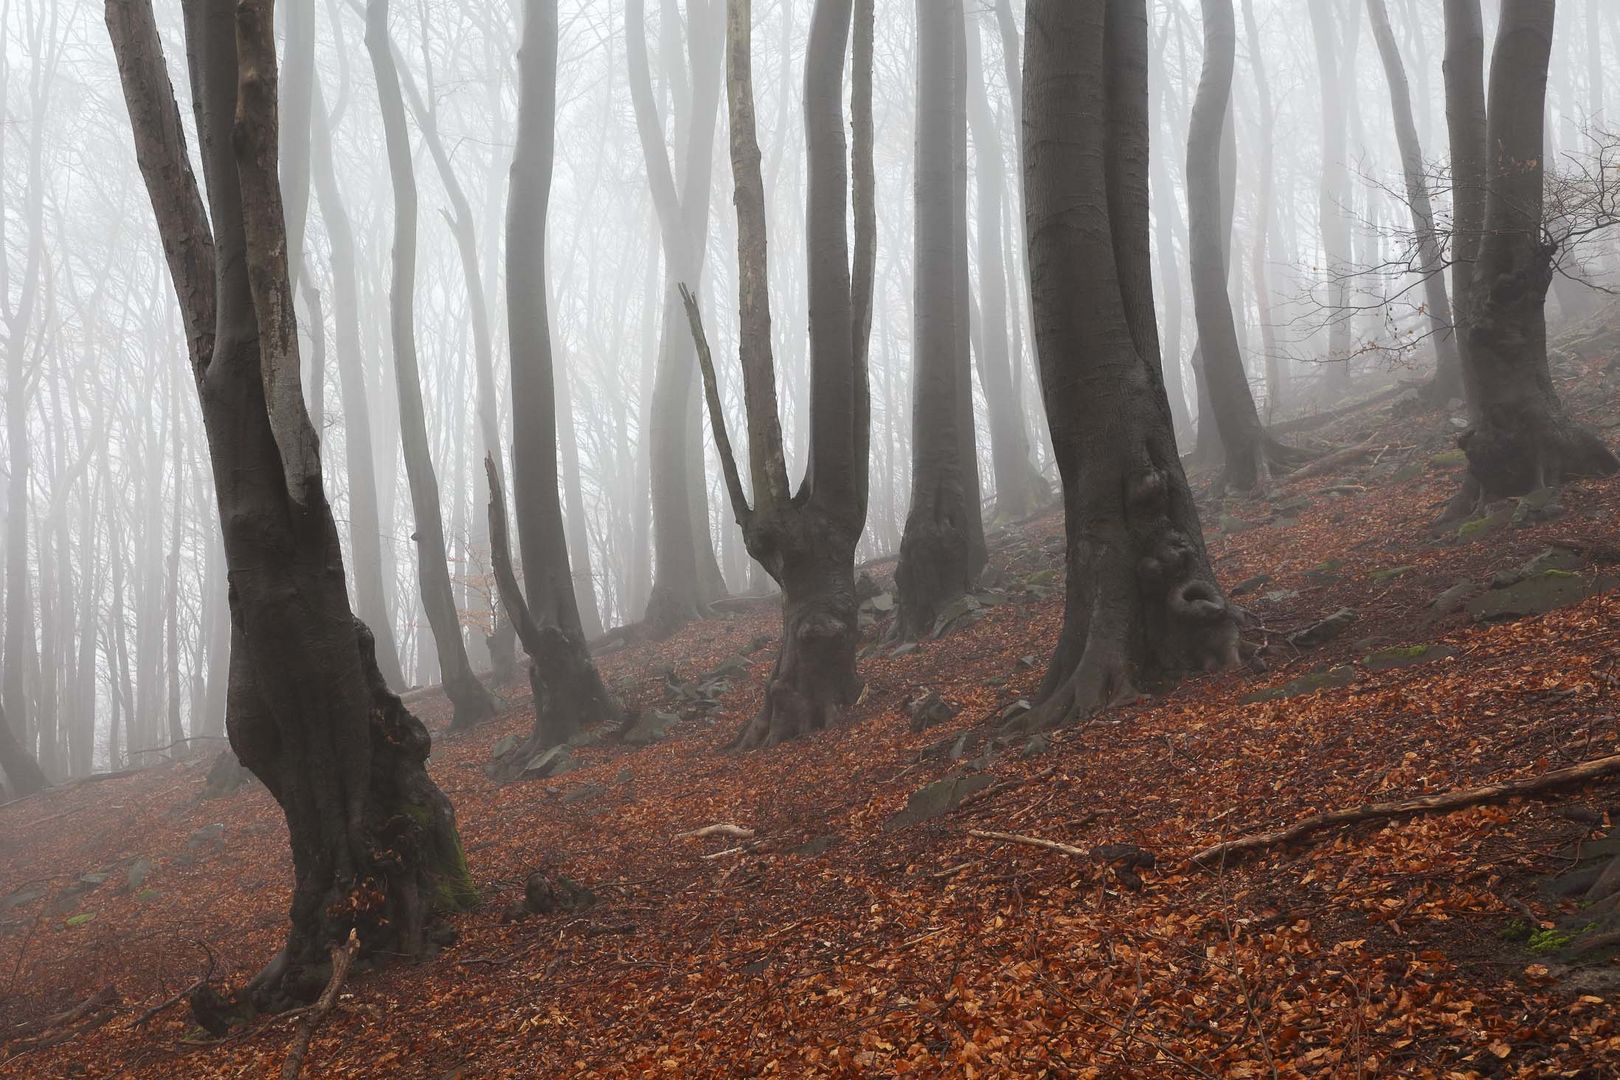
x=342, y=960
x=1428, y=804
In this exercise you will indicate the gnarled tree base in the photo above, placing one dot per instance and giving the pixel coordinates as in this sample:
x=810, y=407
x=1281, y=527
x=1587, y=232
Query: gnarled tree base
x=471, y=699
x=936, y=567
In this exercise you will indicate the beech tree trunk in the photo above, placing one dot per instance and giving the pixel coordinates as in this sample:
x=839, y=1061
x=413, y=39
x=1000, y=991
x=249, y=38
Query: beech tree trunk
x=1141, y=601
x=806, y=542
x=1243, y=438
x=941, y=550
x=1522, y=438
x=1447, y=381
x=1264, y=215
x=473, y=703
x=1333, y=194
x=374, y=841
x=568, y=692
x=365, y=526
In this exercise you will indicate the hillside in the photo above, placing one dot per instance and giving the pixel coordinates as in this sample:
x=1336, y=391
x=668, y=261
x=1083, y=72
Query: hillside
x=838, y=940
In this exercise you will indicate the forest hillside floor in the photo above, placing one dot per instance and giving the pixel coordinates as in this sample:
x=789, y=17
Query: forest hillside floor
x=860, y=928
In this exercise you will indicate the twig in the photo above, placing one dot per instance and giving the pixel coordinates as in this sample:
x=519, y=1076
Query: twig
x=1443, y=802
x=341, y=959
x=202, y=980
x=1030, y=841
x=735, y=832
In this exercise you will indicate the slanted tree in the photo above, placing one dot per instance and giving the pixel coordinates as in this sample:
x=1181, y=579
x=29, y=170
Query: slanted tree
x=374, y=840
x=1141, y=602
x=806, y=541
x=1430, y=264
x=473, y=703
x=1521, y=438
x=568, y=692
x=942, y=549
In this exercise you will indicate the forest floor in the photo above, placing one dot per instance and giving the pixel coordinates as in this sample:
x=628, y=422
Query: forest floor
x=840, y=940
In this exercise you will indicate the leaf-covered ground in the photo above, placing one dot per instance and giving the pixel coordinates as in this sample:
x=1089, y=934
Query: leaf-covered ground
x=832, y=943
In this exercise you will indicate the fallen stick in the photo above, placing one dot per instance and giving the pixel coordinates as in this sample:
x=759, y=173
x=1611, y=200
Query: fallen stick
x=342, y=958
x=1427, y=804
x=736, y=832
x=1030, y=841
x=101, y=999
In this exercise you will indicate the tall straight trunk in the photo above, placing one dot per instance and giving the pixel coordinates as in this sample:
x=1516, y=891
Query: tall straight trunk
x=579, y=552
x=472, y=701
x=1264, y=213
x=1522, y=438
x=806, y=541
x=1465, y=122
x=1168, y=225
x=1430, y=264
x=365, y=525
x=1019, y=488
x=684, y=567
x=939, y=558
x=295, y=114
x=1236, y=419
x=568, y=692
x=1141, y=601
x=1334, y=193
x=309, y=713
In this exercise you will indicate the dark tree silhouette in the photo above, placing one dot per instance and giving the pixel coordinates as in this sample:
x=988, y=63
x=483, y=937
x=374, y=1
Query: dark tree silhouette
x=1141, y=601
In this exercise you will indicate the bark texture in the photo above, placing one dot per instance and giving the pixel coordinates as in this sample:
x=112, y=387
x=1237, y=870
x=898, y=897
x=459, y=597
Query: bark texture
x=374, y=841
x=1141, y=601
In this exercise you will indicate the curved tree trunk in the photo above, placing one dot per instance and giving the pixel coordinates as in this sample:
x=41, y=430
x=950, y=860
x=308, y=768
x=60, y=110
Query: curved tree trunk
x=375, y=846
x=939, y=558
x=473, y=703
x=568, y=693
x=1447, y=381
x=1236, y=419
x=1141, y=601
x=1522, y=438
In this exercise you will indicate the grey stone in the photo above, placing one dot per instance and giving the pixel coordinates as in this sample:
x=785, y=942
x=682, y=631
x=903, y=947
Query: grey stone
x=1248, y=585
x=1325, y=631
x=1452, y=599
x=938, y=798
x=1036, y=746
x=1305, y=684
x=553, y=762
x=205, y=836
x=1400, y=656
x=1544, y=592
x=581, y=793
x=928, y=710
x=503, y=746
x=649, y=728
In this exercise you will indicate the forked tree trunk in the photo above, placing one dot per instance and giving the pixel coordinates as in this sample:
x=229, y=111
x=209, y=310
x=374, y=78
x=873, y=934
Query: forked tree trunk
x=939, y=558
x=374, y=841
x=1447, y=381
x=568, y=693
x=1141, y=601
x=806, y=542
x=472, y=702
x=1522, y=438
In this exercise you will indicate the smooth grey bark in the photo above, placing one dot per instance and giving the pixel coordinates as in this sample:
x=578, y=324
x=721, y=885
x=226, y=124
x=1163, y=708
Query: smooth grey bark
x=1334, y=191
x=1141, y=602
x=1430, y=263
x=308, y=714
x=1168, y=226
x=1522, y=438
x=472, y=702
x=1465, y=123
x=1265, y=214
x=568, y=692
x=941, y=549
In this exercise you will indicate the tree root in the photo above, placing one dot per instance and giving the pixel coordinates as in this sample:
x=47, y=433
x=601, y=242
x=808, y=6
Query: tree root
x=1428, y=804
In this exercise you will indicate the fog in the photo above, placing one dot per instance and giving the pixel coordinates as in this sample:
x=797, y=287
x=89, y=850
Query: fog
x=117, y=632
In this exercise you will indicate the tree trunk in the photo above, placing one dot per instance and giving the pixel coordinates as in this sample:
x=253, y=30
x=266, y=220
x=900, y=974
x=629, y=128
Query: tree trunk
x=1522, y=438
x=374, y=841
x=1236, y=419
x=568, y=692
x=1448, y=361
x=365, y=527
x=1141, y=602
x=1265, y=214
x=1465, y=121
x=21, y=771
x=1333, y=194
x=473, y=703
x=939, y=560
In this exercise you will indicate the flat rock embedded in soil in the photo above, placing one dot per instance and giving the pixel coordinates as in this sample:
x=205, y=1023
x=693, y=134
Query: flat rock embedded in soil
x=1305, y=684
x=940, y=797
x=1326, y=630
x=1546, y=591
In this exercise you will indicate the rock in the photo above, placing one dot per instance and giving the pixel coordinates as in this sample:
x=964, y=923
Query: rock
x=1041, y=579
x=1452, y=599
x=550, y=894
x=1325, y=631
x=759, y=642
x=625, y=775
x=1383, y=577
x=25, y=895
x=581, y=793
x=1036, y=746
x=730, y=668
x=938, y=798
x=816, y=845
x=1305, y=684
x=1014, y=711
x=866, y=587
x=1235, y=525
x=1459, y=423
x=881, y=603
x=1410, y=471
x=1449, y=459
x=1503, y=579
x=1248, y=585
x=503, y=746
x=136, y=875
x=1406, y=403
x=1553, y=558
x=1538, y=506
x=928, y=710
x=207, y=836
x=649, y=728
x=1325, y=573
x=1487, y=524
x=1543, y=592
x=957, y=611
x=1400, y=656
x=553, y=762
x=1280, y=596
x=904, y=648
x=1029, y=661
